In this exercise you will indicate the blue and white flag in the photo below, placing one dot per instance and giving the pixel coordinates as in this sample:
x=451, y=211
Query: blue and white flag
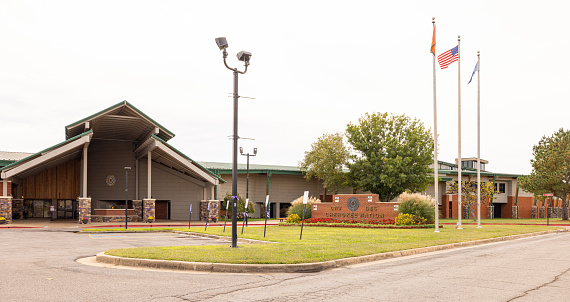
x=476, y=68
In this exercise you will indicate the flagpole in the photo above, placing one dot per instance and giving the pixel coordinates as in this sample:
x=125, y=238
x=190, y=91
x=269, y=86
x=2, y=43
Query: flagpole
x=459, y=187
x=478, y=142
x=435, y=162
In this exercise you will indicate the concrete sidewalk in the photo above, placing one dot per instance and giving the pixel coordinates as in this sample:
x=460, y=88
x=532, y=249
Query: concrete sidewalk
x=73, y=224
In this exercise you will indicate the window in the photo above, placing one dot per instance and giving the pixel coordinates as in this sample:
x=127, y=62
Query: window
x=501, y=187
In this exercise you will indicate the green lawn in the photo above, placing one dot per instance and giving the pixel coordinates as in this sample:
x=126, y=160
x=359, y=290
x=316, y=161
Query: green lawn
x=541, y=221
x=319, y=243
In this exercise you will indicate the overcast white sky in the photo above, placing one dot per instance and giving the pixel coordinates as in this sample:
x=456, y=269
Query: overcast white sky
x=316, y=66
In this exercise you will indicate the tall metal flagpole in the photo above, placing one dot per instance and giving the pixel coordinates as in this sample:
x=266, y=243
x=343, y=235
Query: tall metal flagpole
x=478, y=143
x=435, y=162
x=459, y=187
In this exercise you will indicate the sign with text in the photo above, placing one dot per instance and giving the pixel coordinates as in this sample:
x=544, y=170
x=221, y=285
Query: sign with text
x=305, y=197
x=355, y=207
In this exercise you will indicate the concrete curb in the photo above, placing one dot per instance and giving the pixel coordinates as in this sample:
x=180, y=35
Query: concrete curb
x=301, y=267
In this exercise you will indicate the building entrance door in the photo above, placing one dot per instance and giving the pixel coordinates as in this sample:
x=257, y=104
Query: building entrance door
x=162, y=209
x=66, y=209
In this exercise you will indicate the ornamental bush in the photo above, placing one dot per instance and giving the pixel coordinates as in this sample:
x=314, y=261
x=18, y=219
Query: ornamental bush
x=297, y=207
x=298, y=210
x=418, y=205
x=293, y=218
x=409, y=219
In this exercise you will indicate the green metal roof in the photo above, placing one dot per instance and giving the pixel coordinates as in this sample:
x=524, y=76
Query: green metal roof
x=123, y=103
x=226, y=168
x=188, y=158
x=483, y=173
x=48, y=149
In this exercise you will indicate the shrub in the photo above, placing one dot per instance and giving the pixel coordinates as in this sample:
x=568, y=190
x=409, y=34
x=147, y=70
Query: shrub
x=298, y=210
x=418, y=205
x=293, y=218
x=409, y=219
x=311, y=200
x=297, y=207
x=240, y=207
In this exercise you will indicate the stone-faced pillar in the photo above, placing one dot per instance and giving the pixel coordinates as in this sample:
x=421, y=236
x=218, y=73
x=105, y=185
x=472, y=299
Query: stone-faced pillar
x=6, y=208
x=84, y=209
x=137, y=206
x=149, y=209
x=214, y=214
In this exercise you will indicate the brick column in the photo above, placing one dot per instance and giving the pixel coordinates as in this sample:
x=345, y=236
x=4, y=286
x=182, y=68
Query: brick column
x=84, y=209
x=137, y=206
x=149, y=209
x=6, y=208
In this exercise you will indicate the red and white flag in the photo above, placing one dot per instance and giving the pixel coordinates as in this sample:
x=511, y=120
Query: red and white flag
x=448, y=57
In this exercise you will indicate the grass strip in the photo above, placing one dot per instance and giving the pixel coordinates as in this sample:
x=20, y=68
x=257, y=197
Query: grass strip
x=318, y=244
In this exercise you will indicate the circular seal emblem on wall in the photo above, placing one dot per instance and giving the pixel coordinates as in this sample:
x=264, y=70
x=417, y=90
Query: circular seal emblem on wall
x=111, y=180
x=352, y=203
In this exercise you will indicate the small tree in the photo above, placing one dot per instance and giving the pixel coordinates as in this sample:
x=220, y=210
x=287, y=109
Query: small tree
x=240, y=205
x=325, y=161
x=469, y=194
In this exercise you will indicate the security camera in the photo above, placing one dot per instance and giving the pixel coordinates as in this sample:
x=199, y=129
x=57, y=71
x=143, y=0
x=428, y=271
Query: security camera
x=244, y=56
x=222, y=43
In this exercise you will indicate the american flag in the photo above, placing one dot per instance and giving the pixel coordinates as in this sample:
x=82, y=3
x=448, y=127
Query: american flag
x=448, y=57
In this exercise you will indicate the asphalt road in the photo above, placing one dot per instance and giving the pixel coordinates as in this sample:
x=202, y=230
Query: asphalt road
x=39, y=265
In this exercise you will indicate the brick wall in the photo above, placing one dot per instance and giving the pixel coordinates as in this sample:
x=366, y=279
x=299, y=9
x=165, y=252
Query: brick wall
x=367, y=207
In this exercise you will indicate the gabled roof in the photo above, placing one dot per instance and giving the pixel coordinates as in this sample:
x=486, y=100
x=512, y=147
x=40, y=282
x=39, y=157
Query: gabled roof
x=49, y=157
x=120, y=121
x=163, y=153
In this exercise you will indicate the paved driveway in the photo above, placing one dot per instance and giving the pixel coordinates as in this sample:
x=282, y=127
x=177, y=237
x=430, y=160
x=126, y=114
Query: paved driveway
x=39, y=265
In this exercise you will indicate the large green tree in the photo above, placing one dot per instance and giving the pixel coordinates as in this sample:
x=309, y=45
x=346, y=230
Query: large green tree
x=326, y=160
x=393, y=154
x=550, y=168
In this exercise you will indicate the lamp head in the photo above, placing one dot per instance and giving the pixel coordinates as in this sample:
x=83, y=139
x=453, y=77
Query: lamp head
x=240, y=150
x=222, y=43
x=254, y=151
x=244, y=56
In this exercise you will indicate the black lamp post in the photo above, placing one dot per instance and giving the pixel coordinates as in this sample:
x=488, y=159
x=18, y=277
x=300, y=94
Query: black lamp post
x=247, y=181
x=126, y=195
x=247, y=177
x=242, y=56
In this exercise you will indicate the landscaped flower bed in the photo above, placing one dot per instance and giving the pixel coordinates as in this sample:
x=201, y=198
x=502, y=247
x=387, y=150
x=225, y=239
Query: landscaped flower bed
x=382, y=223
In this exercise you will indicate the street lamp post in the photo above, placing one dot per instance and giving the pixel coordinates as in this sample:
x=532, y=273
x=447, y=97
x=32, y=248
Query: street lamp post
x=126, y=195
x=242, y=56
x=247, y=173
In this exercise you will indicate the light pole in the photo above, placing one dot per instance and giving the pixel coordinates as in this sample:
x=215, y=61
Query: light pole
x=126, y=195
x=242, y=56
x=247, y=177
x=247, y=181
